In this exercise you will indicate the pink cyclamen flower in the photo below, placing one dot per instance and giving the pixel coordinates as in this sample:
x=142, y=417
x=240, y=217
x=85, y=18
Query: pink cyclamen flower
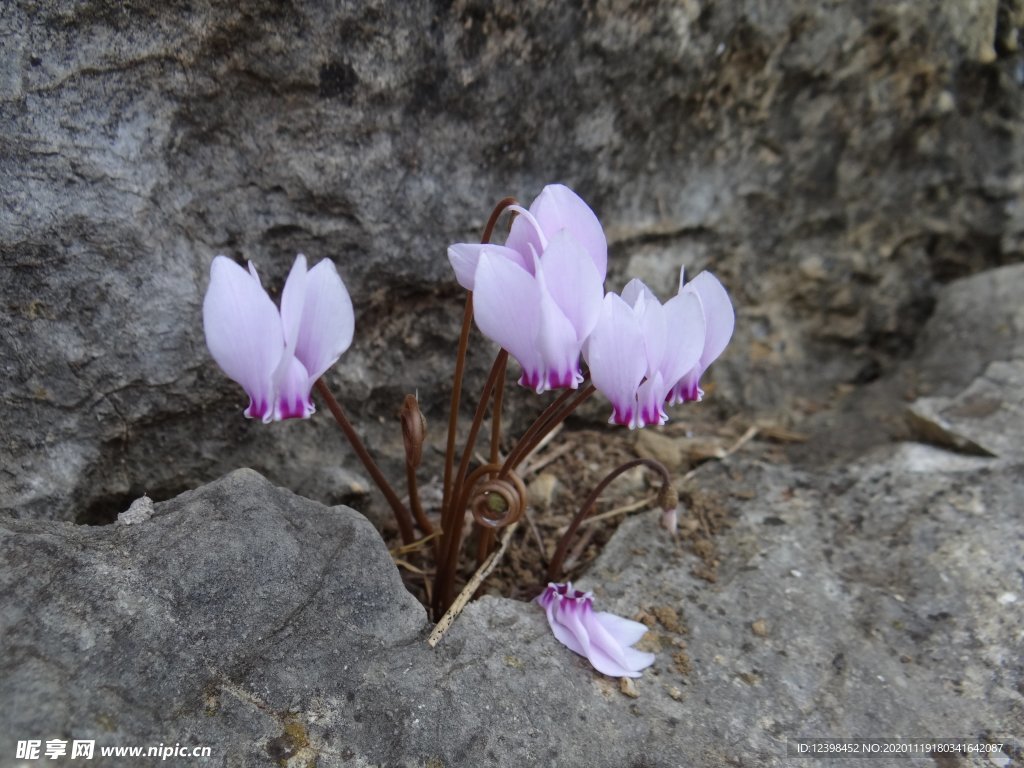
x=640, y=349
x=539, y=295
x=603, y=638
x=277, y=356
x=720, y=321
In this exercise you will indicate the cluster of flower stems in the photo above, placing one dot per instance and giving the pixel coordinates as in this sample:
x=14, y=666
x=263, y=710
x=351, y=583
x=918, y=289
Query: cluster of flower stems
x=493, y=492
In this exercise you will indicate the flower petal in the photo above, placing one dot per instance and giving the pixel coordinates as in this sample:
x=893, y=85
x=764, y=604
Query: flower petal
x=686, y=329
x=650, y=397
x=607, y=655
x=687, y=389
x=625, y=631
x=465, y=257
x=562, y=633
x=558, y=208
x=574, y=282
x=524, y=235
x=557, y=343
x=327, y=323
x=293, y=386
x=506, y=305
x=293, y=297
x=615, y=354
x=603, y=638
x=718, y=312
x=634, y=289
x=243, y=333
x=651, y=317
x=630, y=663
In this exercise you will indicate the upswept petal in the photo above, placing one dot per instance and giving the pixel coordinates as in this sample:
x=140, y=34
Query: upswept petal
x=615, y=354
x=687, y=327
x=630, y=663
x=464, y=258
x=558, y=208
x=719, y=320
x=327, y=323
x=254, y=273
x=606, y=655
x=525, y=236
x=574, y=282
x=556, y=342
x=293, y=297
x=506, y=305
x=243, y=333
x=651, y=317
x=718, y=312
x=634, y=289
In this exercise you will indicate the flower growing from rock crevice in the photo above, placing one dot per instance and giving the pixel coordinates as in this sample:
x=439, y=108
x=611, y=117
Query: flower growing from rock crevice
x=720, y=321
x=539, y=295
x=643, y=354
x=277, y=356
x=603, y=638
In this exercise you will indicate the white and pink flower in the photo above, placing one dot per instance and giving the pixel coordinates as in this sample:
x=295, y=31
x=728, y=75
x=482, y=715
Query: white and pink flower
x=277, y=356
x=603, y=638
x=539, y=295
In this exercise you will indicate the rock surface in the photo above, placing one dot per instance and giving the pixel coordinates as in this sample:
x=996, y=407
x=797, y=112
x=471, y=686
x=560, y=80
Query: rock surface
x=880, y=596
x=880, y=600
x=833, y=163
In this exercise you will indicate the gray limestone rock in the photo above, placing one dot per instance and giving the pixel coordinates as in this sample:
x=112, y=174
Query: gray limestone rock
x=831, y=163
x=970, y=362
x=836, y=164
x=879, y=600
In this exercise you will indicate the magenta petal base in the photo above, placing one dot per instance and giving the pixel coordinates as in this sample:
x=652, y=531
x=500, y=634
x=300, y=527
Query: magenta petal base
x=603, y=638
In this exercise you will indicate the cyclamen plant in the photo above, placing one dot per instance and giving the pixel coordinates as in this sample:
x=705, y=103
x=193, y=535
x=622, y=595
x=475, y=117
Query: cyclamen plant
x=540, y=297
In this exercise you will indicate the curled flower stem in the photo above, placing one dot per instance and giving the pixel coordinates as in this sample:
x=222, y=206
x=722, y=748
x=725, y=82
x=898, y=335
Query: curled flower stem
x=486, y=540
x=402, y=516
x=542, y=426
x=667, y=493
x=452, y=515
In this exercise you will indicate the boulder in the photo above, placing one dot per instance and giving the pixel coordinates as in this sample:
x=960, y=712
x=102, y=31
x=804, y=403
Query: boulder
x=832, y=164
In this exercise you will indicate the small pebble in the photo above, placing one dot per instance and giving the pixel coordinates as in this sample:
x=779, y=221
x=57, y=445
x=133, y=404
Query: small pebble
x=628, y=687
x=139, y=512
x=759, y=628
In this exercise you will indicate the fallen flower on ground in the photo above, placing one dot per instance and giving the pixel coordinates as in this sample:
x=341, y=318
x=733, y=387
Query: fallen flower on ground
x=277, y=356
x=603, y=638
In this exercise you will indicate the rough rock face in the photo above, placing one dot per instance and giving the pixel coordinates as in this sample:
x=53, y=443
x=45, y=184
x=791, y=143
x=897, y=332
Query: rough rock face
x=879, y=596
x=831, y=163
